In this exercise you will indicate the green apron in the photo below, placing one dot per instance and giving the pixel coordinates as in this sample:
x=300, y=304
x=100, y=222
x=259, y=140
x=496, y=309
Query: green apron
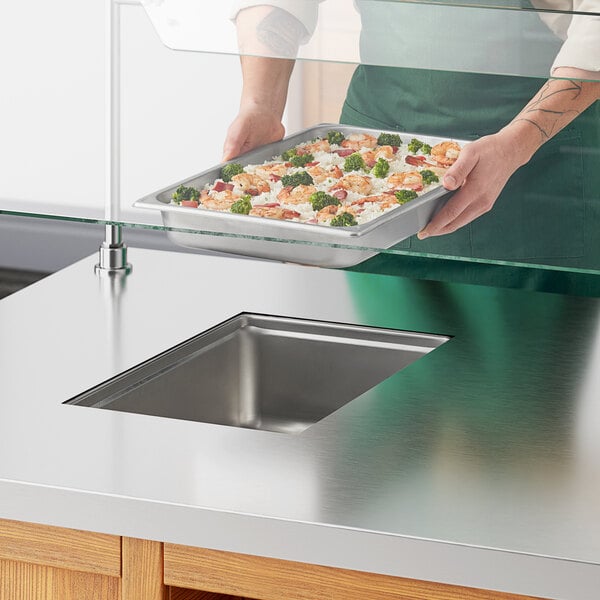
x=549, y=212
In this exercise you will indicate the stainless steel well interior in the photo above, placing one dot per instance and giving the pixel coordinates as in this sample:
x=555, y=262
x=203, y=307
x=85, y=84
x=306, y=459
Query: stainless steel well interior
x=262, y=372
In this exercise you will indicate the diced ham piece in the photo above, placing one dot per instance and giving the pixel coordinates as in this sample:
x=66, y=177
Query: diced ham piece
x=418, y=161
x=274, y=177
x=253, y=192
x=395, y=149
x=190, y=203
x=312, y=221
x=415, y=161
x=340, y=194
x=345, y=152
x=314, y=163
x=267, y=205
x=221, y=186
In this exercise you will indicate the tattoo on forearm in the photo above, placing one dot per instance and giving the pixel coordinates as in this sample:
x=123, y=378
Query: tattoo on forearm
x=547, y=120
x=281, y=32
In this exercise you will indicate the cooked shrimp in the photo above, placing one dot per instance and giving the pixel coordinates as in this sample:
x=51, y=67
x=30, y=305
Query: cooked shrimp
x=249, y=183
x=371, y=156
x=274, y=212
x=445, y=153
x=356, y=141
x=326, y=214
x=265, y=171
x=218, y=200
x=319, y=146
x=354, y=183
x=409, y=180
x=319, y=174
x=382, y=200
x=297, y=195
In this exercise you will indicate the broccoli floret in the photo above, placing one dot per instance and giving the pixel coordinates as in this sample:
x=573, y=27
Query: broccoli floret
x=355, y=162
x=381, y=168
x=415, y=145
x=300, y=160
x=335, y=137
x=320, y=200
x=344, y=219
x=299, y=178
x=185, y=193
x=288, y=154
x=228, y=171
x=404, y=196
x=243, y=206
x=389, y=139
x=429, y=177
x=426, y=149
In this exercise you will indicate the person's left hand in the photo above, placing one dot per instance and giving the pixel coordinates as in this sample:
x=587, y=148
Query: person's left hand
x=481, y=172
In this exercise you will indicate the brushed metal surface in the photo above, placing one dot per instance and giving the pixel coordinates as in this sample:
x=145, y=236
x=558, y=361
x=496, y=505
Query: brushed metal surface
x=478, y=464
x=313, y=244
x=262, y=372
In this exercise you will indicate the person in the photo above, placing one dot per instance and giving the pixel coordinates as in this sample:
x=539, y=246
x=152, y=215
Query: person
x=528, y=184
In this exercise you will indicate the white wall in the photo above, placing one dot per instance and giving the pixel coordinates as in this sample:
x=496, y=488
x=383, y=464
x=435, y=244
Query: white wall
x=177, y=106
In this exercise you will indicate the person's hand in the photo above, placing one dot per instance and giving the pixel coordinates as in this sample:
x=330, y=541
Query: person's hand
x=481, y=172
x=253, y=127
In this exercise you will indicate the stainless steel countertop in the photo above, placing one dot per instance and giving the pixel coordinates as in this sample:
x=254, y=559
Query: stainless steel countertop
x=478, y=465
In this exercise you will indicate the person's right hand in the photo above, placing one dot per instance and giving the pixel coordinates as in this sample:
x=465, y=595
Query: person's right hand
x=253, y=127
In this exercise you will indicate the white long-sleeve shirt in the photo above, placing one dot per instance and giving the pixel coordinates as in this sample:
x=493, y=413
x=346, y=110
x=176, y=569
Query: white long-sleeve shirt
x=576, y=36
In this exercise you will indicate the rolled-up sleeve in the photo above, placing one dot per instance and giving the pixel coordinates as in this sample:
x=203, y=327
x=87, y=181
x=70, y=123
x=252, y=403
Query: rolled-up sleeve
x=306, y=11
x=581, y=48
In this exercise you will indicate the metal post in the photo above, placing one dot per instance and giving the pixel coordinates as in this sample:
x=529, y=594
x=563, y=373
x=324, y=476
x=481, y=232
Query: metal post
x=113, y=253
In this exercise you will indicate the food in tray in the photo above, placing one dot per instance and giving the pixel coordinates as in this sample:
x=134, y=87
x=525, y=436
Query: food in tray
x=335, y=181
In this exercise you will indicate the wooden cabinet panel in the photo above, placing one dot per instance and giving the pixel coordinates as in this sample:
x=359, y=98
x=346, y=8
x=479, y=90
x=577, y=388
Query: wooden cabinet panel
x=59, y=547
x=272, y=579
x=181, y=594
x=25, y=581
x=142, y=570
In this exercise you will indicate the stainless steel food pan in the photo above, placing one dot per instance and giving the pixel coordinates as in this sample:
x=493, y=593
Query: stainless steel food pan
x=289, y=241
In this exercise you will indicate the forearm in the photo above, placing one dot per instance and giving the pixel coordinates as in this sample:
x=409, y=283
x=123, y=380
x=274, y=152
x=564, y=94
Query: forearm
x=265, y=84
x=265, y=35
x=558, y=102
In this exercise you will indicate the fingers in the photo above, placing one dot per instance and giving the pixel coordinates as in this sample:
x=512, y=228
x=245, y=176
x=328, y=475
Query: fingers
x=465, y=206
x=234, y=142
x=456, y=217
x=470, y=202
x=450, y=212
x=458, y=172
x=250, y=131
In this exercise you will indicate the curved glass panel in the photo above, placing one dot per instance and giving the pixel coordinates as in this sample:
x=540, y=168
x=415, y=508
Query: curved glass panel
x=519, y=37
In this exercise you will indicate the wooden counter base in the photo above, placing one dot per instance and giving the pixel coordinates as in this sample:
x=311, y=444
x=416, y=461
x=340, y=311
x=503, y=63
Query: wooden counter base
x=40, y=562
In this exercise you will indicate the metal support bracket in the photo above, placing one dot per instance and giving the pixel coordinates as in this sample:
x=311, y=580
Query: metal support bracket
x=113, y=253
